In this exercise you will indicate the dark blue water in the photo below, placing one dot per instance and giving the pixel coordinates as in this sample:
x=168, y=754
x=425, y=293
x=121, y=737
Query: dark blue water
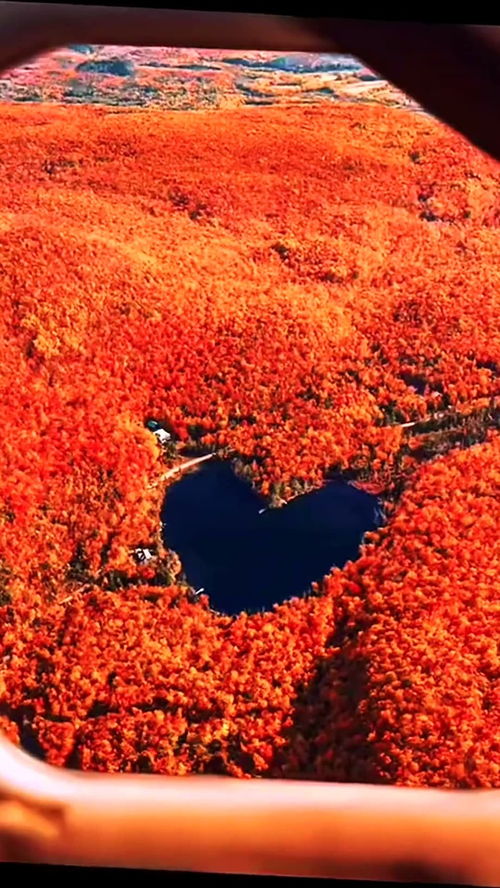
x=116, y=67
x=299, y=64
x=250, y=561
x=82, y=48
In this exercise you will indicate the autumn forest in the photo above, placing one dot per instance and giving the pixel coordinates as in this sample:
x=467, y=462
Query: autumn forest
x=304, y=290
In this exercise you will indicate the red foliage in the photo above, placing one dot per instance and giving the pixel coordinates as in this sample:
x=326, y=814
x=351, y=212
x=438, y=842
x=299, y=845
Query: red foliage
x=294, y=284
x=409, y=690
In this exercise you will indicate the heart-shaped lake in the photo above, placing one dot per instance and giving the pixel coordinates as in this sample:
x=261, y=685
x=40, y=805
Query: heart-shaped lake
x=248, y=557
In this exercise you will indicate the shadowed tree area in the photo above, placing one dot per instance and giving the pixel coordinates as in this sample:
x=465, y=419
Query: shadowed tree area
x=328, y=738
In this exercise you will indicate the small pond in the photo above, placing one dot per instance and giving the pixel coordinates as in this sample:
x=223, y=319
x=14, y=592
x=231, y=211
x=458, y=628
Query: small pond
x=249, y=557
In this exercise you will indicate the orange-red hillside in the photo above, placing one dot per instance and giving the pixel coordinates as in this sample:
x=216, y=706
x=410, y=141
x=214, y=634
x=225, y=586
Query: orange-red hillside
x=288, y=287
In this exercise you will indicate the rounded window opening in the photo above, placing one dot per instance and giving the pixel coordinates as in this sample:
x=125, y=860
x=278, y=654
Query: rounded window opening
x=248, y=557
